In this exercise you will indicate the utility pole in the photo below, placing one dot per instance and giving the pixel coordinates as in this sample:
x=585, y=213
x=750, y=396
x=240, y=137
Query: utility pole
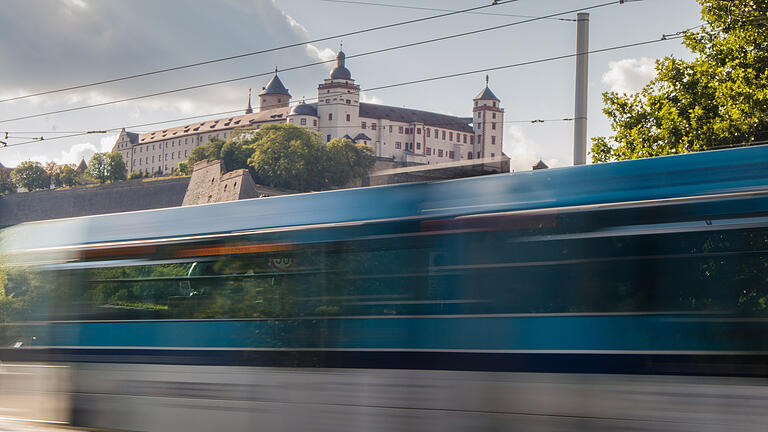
x=582, y=67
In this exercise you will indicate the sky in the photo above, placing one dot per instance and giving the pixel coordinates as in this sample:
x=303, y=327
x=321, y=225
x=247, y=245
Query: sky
x=53, y=44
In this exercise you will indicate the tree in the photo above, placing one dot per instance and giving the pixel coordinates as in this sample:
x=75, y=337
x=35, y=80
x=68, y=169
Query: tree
x=65, y=175
x=6, y=183
x=184, y=168
x=718, y=99
x=30, y=176
x=106, y=167
x=345, y=161
x=233, y=153
x=288, y=156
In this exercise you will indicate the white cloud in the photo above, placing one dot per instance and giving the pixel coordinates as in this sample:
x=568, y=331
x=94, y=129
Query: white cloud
x=326, y=54
x=524, y=152
x=364, y=97
x=629, y=75
x=76, y=153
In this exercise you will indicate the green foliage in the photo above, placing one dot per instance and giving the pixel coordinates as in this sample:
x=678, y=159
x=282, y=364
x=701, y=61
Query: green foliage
x=106, y=167
x=346, y=160
x=135, y=175
x=234, y=154
x=718, y=99
x=6, y=183
x=184, y=168
x=288, y=156
x=65, y=175
x=295, y=158
x=30, y=176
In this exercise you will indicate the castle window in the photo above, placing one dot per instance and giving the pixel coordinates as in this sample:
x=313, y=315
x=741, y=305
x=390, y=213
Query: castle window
x=458, y=137
x=327, y=138
x=476, y=105
x=465, y=138
x=314, y=122
x=398, y=145
x=450, y=136
x=479, y=125
x=153, y=146
x=330, y=116
x=373, y=126
x=443, y=134
x=225, y=187
x=390, y=128
x=478, y=155
x=440, y=153
x=153, y=158
x=166, y=156
x=493, y=125
x=418, y=146
x=303, y=122
x=349, y=117
x=493, y=139
x=349, y=101
x=451, y=155
x=429, y=132
x=364, y=125
x=179, y=155
x=186, y=141
x=186, y=152
x=418, y=131
x=494, y=115
x=279, y=100
x=400, y=129
x=494, y=104
x=428, y=150
x=493, y=154
x=327, y=101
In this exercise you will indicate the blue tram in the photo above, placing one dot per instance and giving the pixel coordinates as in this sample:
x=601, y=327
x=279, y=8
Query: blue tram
x=606, y=296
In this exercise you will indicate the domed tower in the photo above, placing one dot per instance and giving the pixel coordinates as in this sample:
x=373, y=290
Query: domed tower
x=304, y=115
x=338, y=102
x=488, y=123
x=274, y=95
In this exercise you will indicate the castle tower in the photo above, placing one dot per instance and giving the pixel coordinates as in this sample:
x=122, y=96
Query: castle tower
x=488, y=123
x=274, y=95
x=338, y=102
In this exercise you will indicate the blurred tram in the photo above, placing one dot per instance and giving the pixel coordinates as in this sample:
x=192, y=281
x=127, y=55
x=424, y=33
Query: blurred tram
x=620, y=296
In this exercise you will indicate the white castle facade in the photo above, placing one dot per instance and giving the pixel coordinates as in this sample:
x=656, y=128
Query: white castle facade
x=402, y=134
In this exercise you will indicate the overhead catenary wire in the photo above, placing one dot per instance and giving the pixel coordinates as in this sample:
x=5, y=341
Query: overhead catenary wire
x=307, y=65
x=262, y=51
x=115, y=129
x=436, y=78
x=431, y=9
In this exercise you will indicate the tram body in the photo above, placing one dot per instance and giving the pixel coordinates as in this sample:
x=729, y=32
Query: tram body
x=630, y=295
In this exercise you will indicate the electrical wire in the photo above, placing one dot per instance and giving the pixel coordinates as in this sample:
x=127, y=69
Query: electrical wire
x=430, y=125
x=262, y=51
x=262, y=74
x=397, y=6
x=442, y=77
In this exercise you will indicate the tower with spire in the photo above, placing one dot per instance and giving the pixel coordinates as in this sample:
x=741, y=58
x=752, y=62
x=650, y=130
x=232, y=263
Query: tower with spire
x=249, y=109
x=488, y=124
x=274, y=95
x=338, y=102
